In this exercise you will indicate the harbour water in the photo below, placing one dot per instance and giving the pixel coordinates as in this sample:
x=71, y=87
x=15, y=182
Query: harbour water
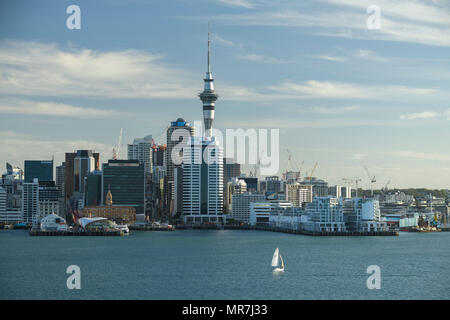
x=224, y=264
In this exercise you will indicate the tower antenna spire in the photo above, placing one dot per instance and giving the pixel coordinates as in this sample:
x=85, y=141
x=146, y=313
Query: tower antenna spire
x=209, y=49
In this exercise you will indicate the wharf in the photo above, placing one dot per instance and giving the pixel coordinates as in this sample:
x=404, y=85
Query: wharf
x=149, y=227
x=35, y=232
x=294, y=231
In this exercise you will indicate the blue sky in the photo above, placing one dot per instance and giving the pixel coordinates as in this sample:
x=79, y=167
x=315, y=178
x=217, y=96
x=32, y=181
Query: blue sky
x=341, y=94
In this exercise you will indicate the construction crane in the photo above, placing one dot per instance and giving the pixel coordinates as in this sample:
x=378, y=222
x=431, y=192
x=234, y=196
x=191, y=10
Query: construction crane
x=371, y=179
x=309, y=177
x=116, y=149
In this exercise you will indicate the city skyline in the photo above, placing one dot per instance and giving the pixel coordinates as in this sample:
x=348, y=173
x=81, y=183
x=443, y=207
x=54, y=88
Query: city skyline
x=345, y=99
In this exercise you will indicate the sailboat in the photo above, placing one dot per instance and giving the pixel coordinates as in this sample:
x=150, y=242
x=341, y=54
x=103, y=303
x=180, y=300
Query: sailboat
x=275, y=261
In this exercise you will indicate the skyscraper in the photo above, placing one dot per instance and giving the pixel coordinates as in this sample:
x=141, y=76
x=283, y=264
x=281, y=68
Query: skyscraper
x=84, y=164
x=203, y=181
x=60, y=174
x=39, y=169
x=126, y=181
x=178, y=130
x=69, y=170
x=30, y=201
x=141, y=149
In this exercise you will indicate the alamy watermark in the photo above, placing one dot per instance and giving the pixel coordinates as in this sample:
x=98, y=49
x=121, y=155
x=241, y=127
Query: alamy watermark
x=374, y=19
x=374, y=280
x=74, y=280
x=247, y=147
x=74, y=20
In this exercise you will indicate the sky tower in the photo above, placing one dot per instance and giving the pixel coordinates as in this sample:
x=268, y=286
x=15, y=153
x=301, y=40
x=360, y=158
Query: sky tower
x=208, y=96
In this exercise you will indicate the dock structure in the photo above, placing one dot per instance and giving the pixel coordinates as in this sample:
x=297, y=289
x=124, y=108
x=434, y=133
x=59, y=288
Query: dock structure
x=149, y=227
x=56, y=233
x=295, y=231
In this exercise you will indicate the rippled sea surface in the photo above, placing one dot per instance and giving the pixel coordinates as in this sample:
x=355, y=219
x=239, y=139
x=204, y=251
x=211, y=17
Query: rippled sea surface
x=224, y=264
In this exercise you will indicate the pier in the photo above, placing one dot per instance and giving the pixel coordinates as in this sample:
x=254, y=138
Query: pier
x=292, y=231
x=149, y=227
x=55, y=233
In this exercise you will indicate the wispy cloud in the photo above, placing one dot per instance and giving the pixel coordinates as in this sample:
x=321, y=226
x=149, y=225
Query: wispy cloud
x=31, y=68
x=238, y=3
x=411, y=21
x=420, y=115
x=341, y=90
x=334, y=110
x=28, y=107
x=260, y=58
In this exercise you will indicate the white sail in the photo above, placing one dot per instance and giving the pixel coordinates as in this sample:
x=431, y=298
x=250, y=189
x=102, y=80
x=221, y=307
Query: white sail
x=275, y=258
x=282, y=263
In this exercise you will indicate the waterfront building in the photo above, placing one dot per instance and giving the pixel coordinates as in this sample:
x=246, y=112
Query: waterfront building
x=117, y=213
x=141, y=149
x=241, y=205
x=126, y=181
x=30, y=201
x=48, y=201
x=288, y=218
x=2, y=204
x=96, y=224
x=362, y=214
x=324, y=214
x=53, y=222
x=39, y=169
x=260, y=211
x=60, y=174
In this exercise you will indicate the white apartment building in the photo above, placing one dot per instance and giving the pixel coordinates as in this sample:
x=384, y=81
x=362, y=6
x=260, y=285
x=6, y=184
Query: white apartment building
x=324, y=214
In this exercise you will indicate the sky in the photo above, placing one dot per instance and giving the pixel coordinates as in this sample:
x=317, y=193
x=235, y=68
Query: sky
x=341, y=94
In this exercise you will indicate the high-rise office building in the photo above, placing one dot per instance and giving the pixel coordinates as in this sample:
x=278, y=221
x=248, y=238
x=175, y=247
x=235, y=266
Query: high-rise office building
x=30, y=201
x=69, y=171
x=93, y=195
x=178, y=130
x=203, y=181
x=38, y=169
x=84, y=164
x=126, y=181
x=159, y=155
x=141, y=149
x=60, y=174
